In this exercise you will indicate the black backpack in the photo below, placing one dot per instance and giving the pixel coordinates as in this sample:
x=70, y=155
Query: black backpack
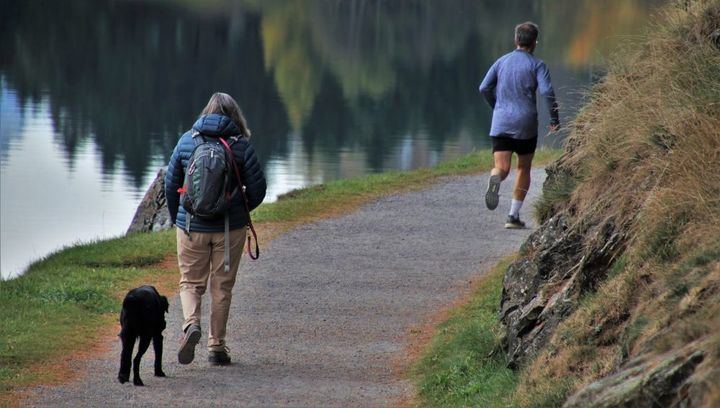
x=205, y=189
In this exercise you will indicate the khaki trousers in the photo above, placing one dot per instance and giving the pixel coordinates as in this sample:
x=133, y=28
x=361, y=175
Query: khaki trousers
x=201, y=259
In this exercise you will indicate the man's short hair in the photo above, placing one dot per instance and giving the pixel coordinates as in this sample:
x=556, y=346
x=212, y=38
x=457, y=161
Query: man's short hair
x=526, y=34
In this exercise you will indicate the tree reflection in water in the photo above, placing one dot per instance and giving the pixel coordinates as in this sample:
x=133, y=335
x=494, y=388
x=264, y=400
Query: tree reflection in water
x=361, y=75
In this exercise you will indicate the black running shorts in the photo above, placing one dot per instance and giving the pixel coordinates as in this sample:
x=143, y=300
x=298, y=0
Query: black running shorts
x=521, y=147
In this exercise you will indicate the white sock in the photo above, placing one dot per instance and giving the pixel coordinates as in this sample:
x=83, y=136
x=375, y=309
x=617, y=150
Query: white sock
x=515, y=208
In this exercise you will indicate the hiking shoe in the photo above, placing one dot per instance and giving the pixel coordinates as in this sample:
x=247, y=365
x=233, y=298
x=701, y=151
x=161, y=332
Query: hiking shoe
x=514, y=223
x=186, y=354
x=492, y=197
x=218, y=357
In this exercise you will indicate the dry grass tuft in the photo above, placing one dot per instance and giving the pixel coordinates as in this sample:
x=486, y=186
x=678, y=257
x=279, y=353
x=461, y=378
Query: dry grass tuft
x=646, y=154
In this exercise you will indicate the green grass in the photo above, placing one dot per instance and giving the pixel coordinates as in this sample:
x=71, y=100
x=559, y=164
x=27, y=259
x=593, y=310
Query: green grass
x=59, y=305
x=464, y=366
x=61, y=302
x=556, y=191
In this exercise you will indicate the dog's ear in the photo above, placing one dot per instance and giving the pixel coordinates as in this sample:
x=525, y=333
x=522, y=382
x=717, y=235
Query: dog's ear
x=164, y=303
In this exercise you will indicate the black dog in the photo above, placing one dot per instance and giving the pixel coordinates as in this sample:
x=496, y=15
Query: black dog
x=142, y=315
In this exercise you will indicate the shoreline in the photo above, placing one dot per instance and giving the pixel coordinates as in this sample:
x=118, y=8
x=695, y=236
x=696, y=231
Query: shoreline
x=15, y=274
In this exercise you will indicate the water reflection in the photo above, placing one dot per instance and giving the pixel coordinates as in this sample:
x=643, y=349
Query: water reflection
x=331, y=88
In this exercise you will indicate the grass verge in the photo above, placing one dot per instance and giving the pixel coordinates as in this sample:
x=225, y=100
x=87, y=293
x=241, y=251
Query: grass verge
x=463, y=365
x=66, y=301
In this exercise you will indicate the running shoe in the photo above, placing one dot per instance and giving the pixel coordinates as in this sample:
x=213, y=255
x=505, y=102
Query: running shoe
x=492, y=197
x=514, y=223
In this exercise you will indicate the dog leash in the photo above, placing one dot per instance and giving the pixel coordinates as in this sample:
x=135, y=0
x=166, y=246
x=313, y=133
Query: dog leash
x=245, y=201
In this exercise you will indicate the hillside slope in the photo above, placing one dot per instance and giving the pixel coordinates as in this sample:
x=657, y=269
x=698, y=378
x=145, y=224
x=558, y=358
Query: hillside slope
x=615, y=300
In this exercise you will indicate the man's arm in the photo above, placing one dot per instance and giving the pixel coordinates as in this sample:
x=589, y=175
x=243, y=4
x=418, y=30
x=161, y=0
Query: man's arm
x=487, y=87
x=546, y=90
x=173, y=180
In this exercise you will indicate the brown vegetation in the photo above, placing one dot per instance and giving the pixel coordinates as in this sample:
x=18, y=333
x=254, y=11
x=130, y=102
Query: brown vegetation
x=644, y=156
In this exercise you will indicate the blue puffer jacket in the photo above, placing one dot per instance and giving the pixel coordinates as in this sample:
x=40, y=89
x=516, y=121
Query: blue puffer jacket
x=251, y=173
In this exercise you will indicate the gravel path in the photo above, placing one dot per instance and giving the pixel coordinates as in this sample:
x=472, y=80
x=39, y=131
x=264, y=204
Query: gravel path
x=322, y=318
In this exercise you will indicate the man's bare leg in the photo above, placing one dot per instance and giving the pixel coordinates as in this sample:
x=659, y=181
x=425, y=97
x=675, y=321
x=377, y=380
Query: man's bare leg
x=503, y=161
x=522, y=184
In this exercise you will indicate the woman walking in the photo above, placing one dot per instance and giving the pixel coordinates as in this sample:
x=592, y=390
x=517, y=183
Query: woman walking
x=210, y=243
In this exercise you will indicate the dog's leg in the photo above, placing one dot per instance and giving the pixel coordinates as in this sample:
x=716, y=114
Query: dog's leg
x=128, y=343
x=142, y=348
x=158, y=347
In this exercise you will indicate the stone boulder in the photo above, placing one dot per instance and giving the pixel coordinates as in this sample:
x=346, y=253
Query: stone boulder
x=152, y=213
x=557, y=265
x=664, y=381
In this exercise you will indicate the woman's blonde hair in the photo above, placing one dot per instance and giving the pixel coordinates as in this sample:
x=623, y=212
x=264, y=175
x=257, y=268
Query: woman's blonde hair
x=224, y=104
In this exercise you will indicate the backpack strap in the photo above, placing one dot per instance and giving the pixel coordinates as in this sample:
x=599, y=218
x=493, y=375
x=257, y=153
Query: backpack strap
x=245, y=201
x=197, y=141
x=227, y=241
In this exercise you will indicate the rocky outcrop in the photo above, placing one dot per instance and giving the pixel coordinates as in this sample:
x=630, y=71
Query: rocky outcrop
x=657, y=382
x=152, y=213
x=616, y=297
x=558, y=263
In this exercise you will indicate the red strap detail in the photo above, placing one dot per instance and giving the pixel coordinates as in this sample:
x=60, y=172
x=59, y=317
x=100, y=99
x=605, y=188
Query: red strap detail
x=182, y=190
x=244, y=198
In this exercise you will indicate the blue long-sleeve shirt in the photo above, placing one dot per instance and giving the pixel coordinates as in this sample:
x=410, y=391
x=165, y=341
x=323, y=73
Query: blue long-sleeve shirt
x=510, y=86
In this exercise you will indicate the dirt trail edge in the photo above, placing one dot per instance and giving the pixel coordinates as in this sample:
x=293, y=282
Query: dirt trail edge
x=321, y=318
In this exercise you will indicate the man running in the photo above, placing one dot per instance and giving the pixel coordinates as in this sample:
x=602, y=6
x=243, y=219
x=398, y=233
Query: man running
x=509, y=87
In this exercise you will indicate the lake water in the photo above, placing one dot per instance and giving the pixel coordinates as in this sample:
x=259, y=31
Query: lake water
x=94, y=94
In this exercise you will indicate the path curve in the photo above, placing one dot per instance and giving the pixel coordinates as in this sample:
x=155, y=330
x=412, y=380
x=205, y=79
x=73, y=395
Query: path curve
x=322, y=317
